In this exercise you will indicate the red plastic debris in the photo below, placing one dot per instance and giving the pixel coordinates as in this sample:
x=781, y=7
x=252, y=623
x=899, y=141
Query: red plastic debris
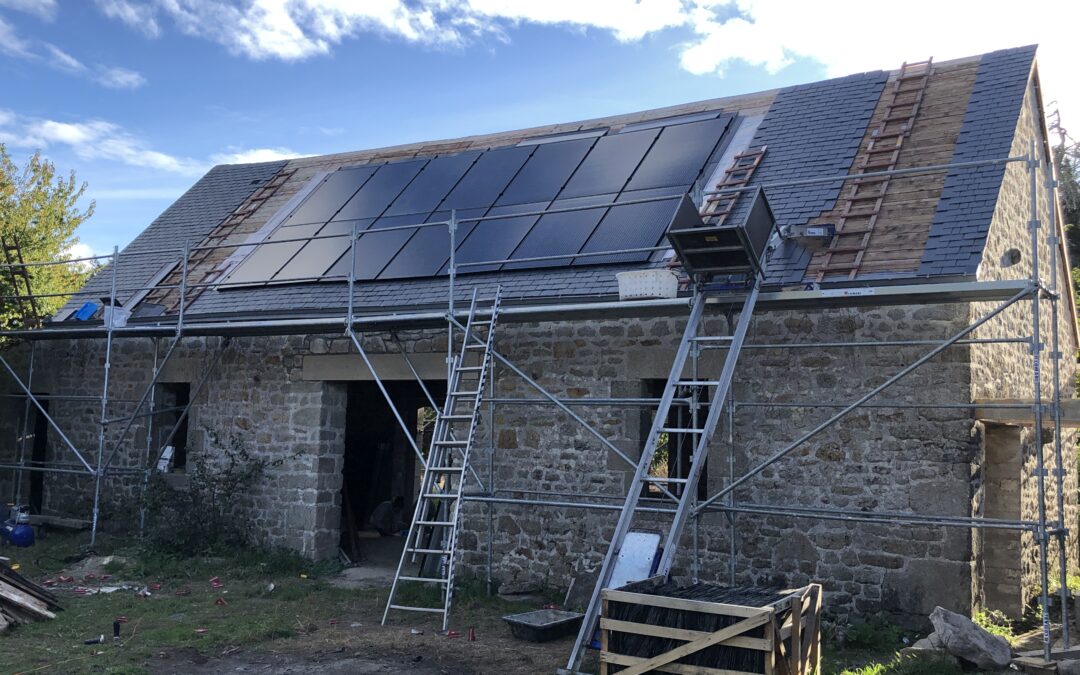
x=49, y=582
x=65, y=580
x=202, y=631
x=90, y=577
x=155, y=586
x=121, y=619
x=472, y=635
x=79, y=590
x=333, y=622
x=183, y=591
x=105, y=577
x=220, y=601
x=452, y=634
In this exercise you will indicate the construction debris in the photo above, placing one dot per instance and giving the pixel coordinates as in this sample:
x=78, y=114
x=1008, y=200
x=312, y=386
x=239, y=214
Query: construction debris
x=22, y=601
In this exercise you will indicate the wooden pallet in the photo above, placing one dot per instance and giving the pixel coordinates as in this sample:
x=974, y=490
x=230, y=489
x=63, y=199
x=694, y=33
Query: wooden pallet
x=864, y=198
x=791, y=644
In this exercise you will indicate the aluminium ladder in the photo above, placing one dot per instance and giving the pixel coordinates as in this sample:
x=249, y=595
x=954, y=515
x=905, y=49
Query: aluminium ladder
x=434, y=530
x=692, y=341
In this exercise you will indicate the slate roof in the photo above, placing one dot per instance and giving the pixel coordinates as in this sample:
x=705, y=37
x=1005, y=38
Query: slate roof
x=811, y=130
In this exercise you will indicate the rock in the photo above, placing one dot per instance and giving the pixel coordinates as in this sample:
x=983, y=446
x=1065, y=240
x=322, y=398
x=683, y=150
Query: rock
x=1069, y=667
x=929, y=643
x=963, y=639
x=519, y=587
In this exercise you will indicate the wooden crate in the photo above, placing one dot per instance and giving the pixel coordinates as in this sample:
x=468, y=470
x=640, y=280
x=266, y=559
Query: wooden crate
x=786, y=631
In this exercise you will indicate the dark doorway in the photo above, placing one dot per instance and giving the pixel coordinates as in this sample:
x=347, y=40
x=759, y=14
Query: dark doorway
x=38, y=446
x=675, y=451
x=380, y=465
x=171, y=398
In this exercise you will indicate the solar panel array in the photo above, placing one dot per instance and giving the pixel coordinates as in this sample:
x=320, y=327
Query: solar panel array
x=595, y=174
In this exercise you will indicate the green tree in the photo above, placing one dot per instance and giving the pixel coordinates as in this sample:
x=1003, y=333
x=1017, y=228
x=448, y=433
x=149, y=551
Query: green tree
x=39, y=209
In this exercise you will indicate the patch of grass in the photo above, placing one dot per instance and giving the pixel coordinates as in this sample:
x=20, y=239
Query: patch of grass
x=898, y=665
x=873, y=636
x=995, y=623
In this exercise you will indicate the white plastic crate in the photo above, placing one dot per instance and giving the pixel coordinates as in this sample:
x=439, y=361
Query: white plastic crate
x=640, y=284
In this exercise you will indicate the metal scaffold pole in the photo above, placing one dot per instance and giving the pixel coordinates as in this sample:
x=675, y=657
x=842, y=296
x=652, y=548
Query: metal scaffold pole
x=17, y=474
x=1036, y=356
x=103, y=426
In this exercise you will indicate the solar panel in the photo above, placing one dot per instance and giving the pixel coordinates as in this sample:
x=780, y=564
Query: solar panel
x=487, y=178
x=631, y=226
x=325, y=200
x=670, y=121
x=438, y=177
x=319, y=254
x=609, y=164
x=429, y=249
x=545, y=173
x=497, y=239
x=267, y=259
x=373, y=250
x=380, y=190
x=560, y=233
x=679, y=155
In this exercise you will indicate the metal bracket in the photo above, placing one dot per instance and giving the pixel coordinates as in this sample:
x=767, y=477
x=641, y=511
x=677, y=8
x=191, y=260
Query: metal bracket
x=1037, y=347
x=1034, y=224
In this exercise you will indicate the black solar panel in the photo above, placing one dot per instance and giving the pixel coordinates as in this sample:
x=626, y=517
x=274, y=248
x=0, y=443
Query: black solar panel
x=380, y=190
x=602, y=171
x=317, y=255
x=373, y=250
x=679, y=155
x=438, y=178
x=609, y=164
x=632, y=226
x=497, y=239
x=267, y=259
x=325, y=200
x=487, y=178
x=429, y=249
x=546, y=172
x=560, y=233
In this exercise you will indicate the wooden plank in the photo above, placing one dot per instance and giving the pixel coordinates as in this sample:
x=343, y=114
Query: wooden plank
x=1024, y=414
x=678, y=668
x=795, y=657
x=618, y=626
x=679, y=603
x=697, y=645
x=604, y=634
x=813, y=654
x=24, y=601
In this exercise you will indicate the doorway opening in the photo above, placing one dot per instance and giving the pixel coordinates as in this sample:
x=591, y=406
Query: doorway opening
x=381, y=474
x=171, y=398
x=37, y=444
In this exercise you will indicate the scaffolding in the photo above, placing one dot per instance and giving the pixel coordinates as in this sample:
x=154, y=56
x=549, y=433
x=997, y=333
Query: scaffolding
x=169, y=332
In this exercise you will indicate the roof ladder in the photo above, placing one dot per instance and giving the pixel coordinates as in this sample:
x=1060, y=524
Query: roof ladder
x=863, y=199
x=19, y=276
x=683, y=488
x=428, y=559
x=743, y=166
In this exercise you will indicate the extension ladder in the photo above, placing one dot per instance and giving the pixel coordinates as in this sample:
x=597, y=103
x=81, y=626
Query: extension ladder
x=434, y=529
x=19, y=275
x=677, y=384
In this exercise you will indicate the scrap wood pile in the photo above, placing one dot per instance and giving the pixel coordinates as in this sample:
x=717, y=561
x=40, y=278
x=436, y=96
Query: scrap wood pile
x=23, y=601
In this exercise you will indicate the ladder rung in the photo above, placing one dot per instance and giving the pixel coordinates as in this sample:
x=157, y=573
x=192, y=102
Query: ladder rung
x=698, y=383
x=473, y=392
x=406, y=608
x=446, y=469
x=435, y=523
x=456, y=444
x=433, y=551
x=660, y=479
x=478, y=345
x=457, y=417
x=425, y=580
x=469, y=368
x=680, y=430
x=445, y=496
x=712, y=338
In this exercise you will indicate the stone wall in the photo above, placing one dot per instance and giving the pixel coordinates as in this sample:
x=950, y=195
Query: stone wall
x=1005, y=371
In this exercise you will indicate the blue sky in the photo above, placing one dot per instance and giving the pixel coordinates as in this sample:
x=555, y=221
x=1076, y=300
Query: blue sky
x=140, y=98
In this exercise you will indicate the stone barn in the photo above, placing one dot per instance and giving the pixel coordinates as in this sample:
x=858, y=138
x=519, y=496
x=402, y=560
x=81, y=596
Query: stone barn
x=898, y=425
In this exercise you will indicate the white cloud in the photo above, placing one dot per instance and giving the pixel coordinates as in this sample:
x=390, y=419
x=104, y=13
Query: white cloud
x=44, y=9
x=64, y=61
x=772, y=34
x=10, y=42
x=141, y=17
x=94, y=139
x=253, y=155
x=115, y=77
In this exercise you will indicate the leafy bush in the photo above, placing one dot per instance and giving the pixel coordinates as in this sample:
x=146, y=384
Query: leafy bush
x=204, y=517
